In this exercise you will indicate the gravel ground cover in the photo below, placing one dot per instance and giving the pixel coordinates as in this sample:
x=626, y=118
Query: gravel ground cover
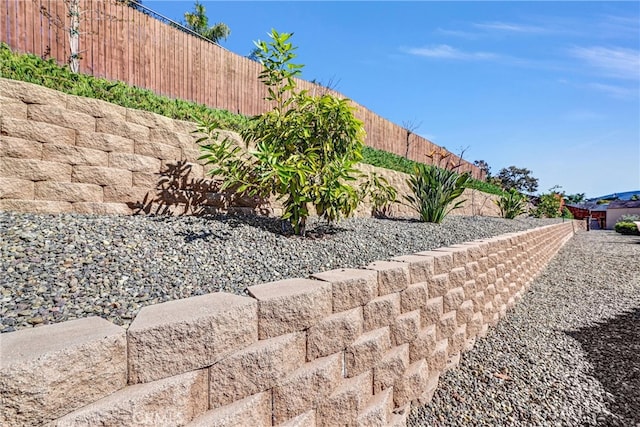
x=60, y=267
x=567, y=355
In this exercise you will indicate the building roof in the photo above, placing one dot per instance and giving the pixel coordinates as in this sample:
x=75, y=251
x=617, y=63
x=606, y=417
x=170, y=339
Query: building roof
x=590, y=206
x=624, y=204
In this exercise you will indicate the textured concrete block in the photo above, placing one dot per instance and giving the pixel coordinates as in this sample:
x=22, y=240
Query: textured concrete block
x=30, y=93
x=10, y=107
x=458, y=340
x=61, y=153
x=61, y=117
x=100, y=175
x=438, y=359
x=381, y=311
x=393, y=276
x=390, y=367
x=148, y=119
x=101, y=208
x=378, y=411
x=35, y=206
x=457, y=277
x=414, y=297
x=453, y=299
x=478, y=301
x=423, y=345
x=254, y=411
x=343, y=405
x=420, y=267
x=256, y=368
x=49, y=371
x=438, y=285
x=126, y=194
x=472, y=269
x=364, y=353
x=134, y=162
x=104, y=142
x=15, y=188
x=405, y=327
x=34, y=170
x=412, y=384
x=306, y=387
x=350, y=287
x=95, y=107
x=334, y=333
x=171, y=401
x=433, y=311
x=215, y=324
x=430, y=390
x=459, y=254
x=67, y=191
x=464, y=312
x=447, y=325
x=158, y=150
x=442, y=261
x=470, y=288
x=122, y=128
x=20, y=148
x=36, y=131
x=307, y=419
x=166, y=136
x=290, y=305
x=146, y=179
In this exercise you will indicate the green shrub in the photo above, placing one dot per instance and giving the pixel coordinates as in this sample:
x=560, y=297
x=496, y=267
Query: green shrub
x=629, y=218
x=512, y=204
x=628, y=228
x=434, y=190
x=548, y=206
x=305, y=150
x=33, y=69
x=380, y=194
x=566, y=213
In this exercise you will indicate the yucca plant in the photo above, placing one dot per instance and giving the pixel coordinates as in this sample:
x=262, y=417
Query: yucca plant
x=435, y=191
x=512, y=204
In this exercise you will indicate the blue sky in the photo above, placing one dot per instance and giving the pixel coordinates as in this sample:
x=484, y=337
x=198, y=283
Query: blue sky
x=550, y=86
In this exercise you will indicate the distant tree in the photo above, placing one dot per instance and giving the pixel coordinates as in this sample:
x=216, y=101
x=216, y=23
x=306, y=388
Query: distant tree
x=484, y=166
x=518, y=178
x=253, y=55
x=635, y=197
x=198, y=22
x=574, y=198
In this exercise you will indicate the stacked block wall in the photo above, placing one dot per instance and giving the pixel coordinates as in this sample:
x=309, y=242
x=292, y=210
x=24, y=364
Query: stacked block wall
x=63, y=153
x=349, y=347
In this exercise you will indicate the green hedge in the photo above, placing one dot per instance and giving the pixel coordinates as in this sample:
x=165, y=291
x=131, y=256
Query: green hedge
x=47, y=73
x=628, y=228
x=33, y=69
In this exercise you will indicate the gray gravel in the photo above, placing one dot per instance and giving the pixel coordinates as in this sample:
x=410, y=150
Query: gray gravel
x=570, y=350
x=60, y=267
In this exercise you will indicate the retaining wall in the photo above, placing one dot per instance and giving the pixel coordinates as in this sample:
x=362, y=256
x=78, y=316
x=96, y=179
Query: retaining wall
x=343, y=347
x=63, y=153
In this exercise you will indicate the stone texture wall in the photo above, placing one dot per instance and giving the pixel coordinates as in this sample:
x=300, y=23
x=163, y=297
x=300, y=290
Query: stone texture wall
x=63, y=153
x=349, y=347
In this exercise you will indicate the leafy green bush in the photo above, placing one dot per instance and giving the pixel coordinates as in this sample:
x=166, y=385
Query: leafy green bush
x=305, y=150
x=629, y=218
x=380, y=193
x=512, y=204
x=548, y=206
x=628, y=228
x=434, y=190
x=33, y=69
x=566, y=213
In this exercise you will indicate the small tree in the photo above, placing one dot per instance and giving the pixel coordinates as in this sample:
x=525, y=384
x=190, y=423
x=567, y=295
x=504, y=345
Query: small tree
x=409, y=126
x=549, y=205
x=304, y=149
x=484, y=167
x=519, y=179
x=198, y=22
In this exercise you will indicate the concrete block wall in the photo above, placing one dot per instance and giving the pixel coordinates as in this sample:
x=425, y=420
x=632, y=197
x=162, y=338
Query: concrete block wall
x=351, y=347
x=64, y=153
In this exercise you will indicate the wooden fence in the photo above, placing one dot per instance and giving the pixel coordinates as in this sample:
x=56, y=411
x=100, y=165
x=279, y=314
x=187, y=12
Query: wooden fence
x=118, y=42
